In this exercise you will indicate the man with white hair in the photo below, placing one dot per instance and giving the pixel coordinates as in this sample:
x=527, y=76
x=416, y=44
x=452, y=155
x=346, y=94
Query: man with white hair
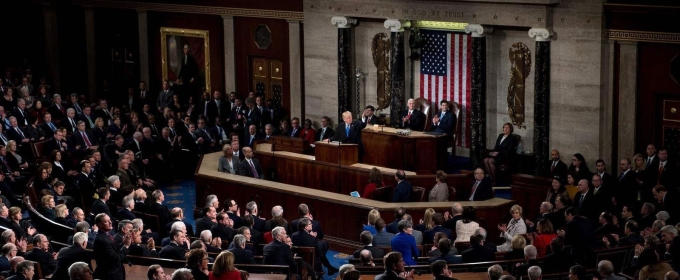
x=277, y=218
x=454, y=217
x=535, y=273
x=530, y=254
x=412, y=118
x=128, y=205
x=606, y=271
x=175, y=226
x=258, y=222
x=495, y=272
x=241, y=254
x=182, y=274
x=9, y=251
x=75, y=253
x=545, y=210
x=69, y=122
x=669, y=236
x=482, y=232
x=210, y=243
x=78, y=271
x=278, y=252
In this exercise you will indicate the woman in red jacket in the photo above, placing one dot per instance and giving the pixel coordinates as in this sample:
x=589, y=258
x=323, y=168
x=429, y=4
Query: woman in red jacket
x=542, y=237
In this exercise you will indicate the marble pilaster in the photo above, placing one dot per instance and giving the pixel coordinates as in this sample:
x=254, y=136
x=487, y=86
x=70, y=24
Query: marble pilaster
x=478, y=92
x=628, y=57
x=397, y=69
x=295, y=61
x=229, y=55
x=143, y=45
x=91, y=53
x=345, y=71
x=541, y=97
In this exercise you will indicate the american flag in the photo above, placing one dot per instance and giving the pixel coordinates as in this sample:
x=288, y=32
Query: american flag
x=445, y=73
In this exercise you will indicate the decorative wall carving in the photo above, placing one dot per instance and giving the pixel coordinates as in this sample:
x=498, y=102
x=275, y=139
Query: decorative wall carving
x=380, y=49
x=629, y=35
x=520, y=68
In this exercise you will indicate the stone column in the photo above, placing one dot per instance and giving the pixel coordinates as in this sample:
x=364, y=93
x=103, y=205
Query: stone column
x=91, y=53
x=628, y=57
x=478, y=111
x=229, y=55
x=541, y=97
x=51, y=45
x=397, y=68
x=345, y=71
x=143, y=47
x=294, y=49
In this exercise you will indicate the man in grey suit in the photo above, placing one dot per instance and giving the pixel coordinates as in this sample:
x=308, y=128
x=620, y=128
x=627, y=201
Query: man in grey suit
x=164, y=97
x=382, y=238
x=606, y=270
x=418, y=235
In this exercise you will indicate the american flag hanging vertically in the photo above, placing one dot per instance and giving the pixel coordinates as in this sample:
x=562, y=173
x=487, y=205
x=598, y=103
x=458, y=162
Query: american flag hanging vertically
x=445, y=73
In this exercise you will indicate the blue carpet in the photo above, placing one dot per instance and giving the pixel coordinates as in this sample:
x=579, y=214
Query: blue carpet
x=183, y=195
x=503, y=194
x=336, y=259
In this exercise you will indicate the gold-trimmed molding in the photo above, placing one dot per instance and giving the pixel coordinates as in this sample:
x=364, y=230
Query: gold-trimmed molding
x=192, y=9
x=440, y=25
x=643, y=36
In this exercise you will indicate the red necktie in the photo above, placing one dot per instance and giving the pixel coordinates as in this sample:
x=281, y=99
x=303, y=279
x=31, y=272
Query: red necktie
x=87, y=141
x=409, y=114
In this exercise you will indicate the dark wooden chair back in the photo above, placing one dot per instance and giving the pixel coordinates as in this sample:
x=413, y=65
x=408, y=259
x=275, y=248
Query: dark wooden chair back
x=425, y=107
x=462, y=246
x=383, y=194
x=307, y=255
x=418, y=194
x=452, y=193
x=37, y=150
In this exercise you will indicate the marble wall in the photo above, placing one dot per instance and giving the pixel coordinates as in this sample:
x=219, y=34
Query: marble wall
x=576, y=51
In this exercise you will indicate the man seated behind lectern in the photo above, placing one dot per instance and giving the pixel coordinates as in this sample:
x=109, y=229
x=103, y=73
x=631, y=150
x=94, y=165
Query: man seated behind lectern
x=412, y=118
x=444, y=120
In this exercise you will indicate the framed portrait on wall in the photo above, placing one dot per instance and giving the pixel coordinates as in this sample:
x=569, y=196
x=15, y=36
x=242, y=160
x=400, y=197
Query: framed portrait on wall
x=185, y=58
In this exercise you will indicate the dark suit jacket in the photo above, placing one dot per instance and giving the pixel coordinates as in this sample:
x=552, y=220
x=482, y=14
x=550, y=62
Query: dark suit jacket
x=388, y=275
x=12, y=134
x=168, y=226
x=203, y=224
x=451, y=224
x=109, y=258
x=100, y=207
x=483, y=192
x=66, y=123
x=22, y=119
x=428, y=235
x=223, y=232
x=416, y=122
x=246, y=139
x=402, y=192
x=376, y=252
x=354, y=133
x=580, y=235
x=669, y=175
x=47, y=263
x=607, y=229
x=164, y=100
x=557, y=262
x=242, y=256
x=245, y=170
x=372, y=121
x=279, y=253
x=477, y=254
x=68, y=256
x=559, y=170
x=172, y=251
x=57, y=113
x=588, y=208
x=302, y=238
x=626, y=188
x=522, y=269
x=446, y=124
x=449, y=259
x=506, y=148
x=316, y=227
x=161, y=211
x=125, y=214
x=326, y=135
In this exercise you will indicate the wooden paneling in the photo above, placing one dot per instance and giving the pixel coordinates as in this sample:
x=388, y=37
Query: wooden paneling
x=654, y=85
x=247, y=52
x=529, y=191
x=411, y=153
x=212, y=23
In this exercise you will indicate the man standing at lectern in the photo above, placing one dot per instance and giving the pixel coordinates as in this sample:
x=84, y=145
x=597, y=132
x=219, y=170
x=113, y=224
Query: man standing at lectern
x=349, y=131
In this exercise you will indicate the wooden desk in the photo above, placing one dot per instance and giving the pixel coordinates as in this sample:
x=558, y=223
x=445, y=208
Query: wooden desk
x=291, y=144
x=419, y=152
x=341, y=215
x=334, y=152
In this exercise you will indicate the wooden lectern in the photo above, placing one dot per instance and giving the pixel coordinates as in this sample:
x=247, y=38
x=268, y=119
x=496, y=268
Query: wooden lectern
x=291, y=144
x=343, y=154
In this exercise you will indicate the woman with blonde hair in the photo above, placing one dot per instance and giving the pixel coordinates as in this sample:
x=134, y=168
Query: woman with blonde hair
x=374, y=182
x=223, y=268
x=643, y=178
x=373, y=216
x=47, y=206
x=517, y=245
x=440, y=191
x=426, y=223
x=61, y=211
x=515, y=227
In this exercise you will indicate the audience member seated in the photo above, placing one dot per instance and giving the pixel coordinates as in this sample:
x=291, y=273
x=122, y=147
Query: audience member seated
x=9, y=251
x=228, y=163
x=481, y=187
x=24, y=270
x=373, y=216
x=182, y=274
x=374, y=182
x=394, y=268
x=156, y=272
x=197, y=262
x=428, y=235
x=669, y=236
x=402, y=192
x=224, y=269
x=223, y=228
x=241, y=254
x=495, y=272
x=556, y=188
x=47, y=207
x=208, y=221
x=543, y=236
x=502, y=151
x=466, y=227
x=277, y=218
x=278, y=252
x=434, y=251
x=41, y=254
x=417, y=235
x=17, y=225
x=516, y=248
x=530, y=257
x=606, y=271
x=79, y=270
x=366, y=258
x=426, y=223
x=404, y=243
x=444, y=247
x=440, y=191
x=477, y=251
x=61, y=214
x=440, y=270
x=128, y=205
x=382, y=238
x=72, y=254
x=632, y=236
x=115, y=194
x=367, y=239
x=453, y=217
x=559, y=260
x=515, y=227
x=174, y=250
x=84, y=227
x=652, y=267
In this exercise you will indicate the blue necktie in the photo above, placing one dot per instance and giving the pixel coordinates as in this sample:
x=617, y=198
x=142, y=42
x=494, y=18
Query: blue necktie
x=347, y=130
x=52, y=127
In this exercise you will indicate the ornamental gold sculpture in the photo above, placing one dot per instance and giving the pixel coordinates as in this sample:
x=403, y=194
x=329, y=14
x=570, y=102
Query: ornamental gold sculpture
x=520, y=67
x=380, y=48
